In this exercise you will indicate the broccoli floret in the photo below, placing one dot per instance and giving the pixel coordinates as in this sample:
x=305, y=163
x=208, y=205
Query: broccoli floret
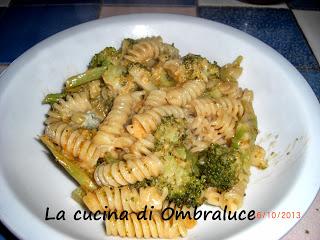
x=105, y=57
x=188, y=194
x=171, y=132
x=183, y=183
x=181, y=175
x=220, y=166
x=197, y=67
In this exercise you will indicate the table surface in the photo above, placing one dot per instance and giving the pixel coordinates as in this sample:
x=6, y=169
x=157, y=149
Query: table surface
x=292, y=28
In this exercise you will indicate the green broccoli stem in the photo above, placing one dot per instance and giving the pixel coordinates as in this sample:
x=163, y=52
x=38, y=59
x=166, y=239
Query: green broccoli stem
x=247, y=128
x=245, y=136
x=88, y=76
x=53, y=98
x=78, y=194
x=79, y=174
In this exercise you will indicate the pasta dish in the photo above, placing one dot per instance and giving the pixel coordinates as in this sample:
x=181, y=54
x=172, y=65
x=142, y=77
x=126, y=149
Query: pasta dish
x=146, y=128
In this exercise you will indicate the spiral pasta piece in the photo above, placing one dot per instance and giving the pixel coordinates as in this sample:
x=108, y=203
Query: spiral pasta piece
x=94, y=89
x=198, y=124
x=112, y=126
x=203, y=134
x=64, y=109
x=142, y=147
x=137, y=96
x=145, y=50
x=247, y=95
x=156, y=98
x=147, y=122
x=204, y=107
x=123, y=141
x=213, y=136
x=155, y=228
x=168, y=51
x=230, y=89
x=198, y=145
x=160, y=77
x=213, y=197
x=138, y=101
x=125, y=199
x=129, y=172
x=175, y=70
x=225, y=124
x=186, y=93
x=231, y=106
x=76, y=142
x=231, y=71
x=182, y=212
x=209, y=107
x=142, y=77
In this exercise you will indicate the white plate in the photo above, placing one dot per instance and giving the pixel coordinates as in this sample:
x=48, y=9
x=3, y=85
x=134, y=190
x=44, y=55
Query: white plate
x=284, y=103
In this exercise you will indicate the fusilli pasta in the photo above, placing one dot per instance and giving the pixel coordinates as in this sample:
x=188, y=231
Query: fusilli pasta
x=125, y=199
x=112, y=126
x=94, y=89
x=76, y=108
x=147, y=129
x=204, y=107
x=76, y=142
x=230, y=89
x=148, y=121
x=187, y=92
x=175, y=70
x=213, y=197
x=156, y=98
x=155, y=228
x=142, y=147
x=144, y=50
x=129, y=172
x=225, y=124
x=142, y=77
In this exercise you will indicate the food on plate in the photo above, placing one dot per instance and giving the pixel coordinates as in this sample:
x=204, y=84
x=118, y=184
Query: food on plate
x=146, y=128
